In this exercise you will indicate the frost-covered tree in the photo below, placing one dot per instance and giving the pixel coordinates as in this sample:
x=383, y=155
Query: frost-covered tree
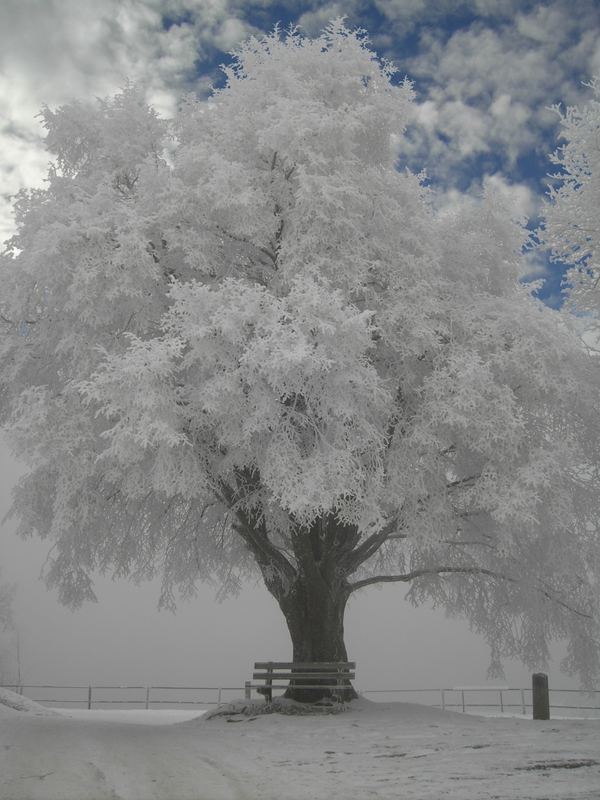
x=572, y=223
x=7, y=633
x=6, y=597
x=245, y=343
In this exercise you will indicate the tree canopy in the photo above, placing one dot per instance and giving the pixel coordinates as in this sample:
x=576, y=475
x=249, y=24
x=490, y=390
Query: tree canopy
x=244, y=342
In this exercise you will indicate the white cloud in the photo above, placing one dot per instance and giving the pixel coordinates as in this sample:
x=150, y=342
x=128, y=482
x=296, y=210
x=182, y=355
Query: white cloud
x=535, y=267
x=23, y=162
x=59, y=50
x=545, y=24
x=450, y=130
x=55, y=51
x=495, y=8
x=405, y=14
x=406, y=9
x=229, y=33
x=518, y=196
x=428, y=115
x=488, y=89
x=312, y=22
x=465, y=126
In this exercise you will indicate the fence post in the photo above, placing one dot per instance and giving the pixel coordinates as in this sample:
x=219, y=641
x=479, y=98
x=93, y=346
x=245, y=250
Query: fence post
x=219, y=696
x=501, y=702
x=247, y=690
x=523, y=701
x=443, y=699
x=147, y=697
x=89, y=697
x=463, y=700
x=541, y=696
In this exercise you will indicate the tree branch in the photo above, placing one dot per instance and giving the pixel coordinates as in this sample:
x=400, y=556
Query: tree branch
x=11, y=322
x=339, y=540
x=275, y=243
x=371, y=545
x=253, y=531
x=562, y=603
x=462, y=481
x=468, y=543
x=243, y=240
x=419, y=573
x=394, y=419
x=256, y=537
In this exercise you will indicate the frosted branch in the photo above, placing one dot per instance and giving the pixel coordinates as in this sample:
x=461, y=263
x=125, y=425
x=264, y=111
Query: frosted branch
x=419, y=573
x=372, y=544
x=243, y=240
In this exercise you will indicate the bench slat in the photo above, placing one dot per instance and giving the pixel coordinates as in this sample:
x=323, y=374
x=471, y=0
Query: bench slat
x=305, y=664
x=261, y=687
x=282, y=676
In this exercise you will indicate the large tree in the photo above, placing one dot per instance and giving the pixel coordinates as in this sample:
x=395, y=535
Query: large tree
x=245, y=341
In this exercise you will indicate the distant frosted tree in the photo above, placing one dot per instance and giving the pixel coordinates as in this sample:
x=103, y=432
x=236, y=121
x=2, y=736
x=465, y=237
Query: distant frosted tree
x=6, y=596
x=572, y=221
x=245, y=343
x=7, y=634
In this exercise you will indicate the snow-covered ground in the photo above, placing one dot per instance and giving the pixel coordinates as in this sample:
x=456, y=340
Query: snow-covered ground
x=373, y=750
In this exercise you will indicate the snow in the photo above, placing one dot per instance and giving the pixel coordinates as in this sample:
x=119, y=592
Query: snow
x=12, y=703
x=372, y=750
x=139, y=716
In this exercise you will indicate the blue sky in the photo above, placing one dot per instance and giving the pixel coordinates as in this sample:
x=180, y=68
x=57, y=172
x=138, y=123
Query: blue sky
x=485, y=73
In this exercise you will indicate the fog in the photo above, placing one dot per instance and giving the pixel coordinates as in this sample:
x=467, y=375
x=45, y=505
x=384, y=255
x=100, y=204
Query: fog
x=124, y=639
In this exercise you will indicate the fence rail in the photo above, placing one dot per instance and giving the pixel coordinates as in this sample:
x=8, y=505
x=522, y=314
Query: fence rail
x=506, y=699
x=95, y=695
x=480, y=699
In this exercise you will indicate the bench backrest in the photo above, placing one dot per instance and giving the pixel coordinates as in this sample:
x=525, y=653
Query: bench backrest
x=327, y=665
x=288, y=670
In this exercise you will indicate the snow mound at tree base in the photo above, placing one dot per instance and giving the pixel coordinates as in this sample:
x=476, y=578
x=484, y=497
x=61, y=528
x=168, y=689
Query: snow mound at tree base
x=403, y=713
x=279, y=705
x=11, y=702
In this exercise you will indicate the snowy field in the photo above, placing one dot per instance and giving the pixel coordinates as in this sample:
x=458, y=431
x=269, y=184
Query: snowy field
x=373, y=750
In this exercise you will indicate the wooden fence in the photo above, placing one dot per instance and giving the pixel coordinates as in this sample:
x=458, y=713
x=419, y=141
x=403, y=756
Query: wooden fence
x=466, y=699
x=494, y=699
x=96, y=695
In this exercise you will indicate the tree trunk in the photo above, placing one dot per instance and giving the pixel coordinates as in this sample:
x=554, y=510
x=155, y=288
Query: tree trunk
x=312, y=592
x=314, y=612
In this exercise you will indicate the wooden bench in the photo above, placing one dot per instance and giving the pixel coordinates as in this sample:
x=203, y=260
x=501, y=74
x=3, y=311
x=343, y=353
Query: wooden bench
x=281, y=674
